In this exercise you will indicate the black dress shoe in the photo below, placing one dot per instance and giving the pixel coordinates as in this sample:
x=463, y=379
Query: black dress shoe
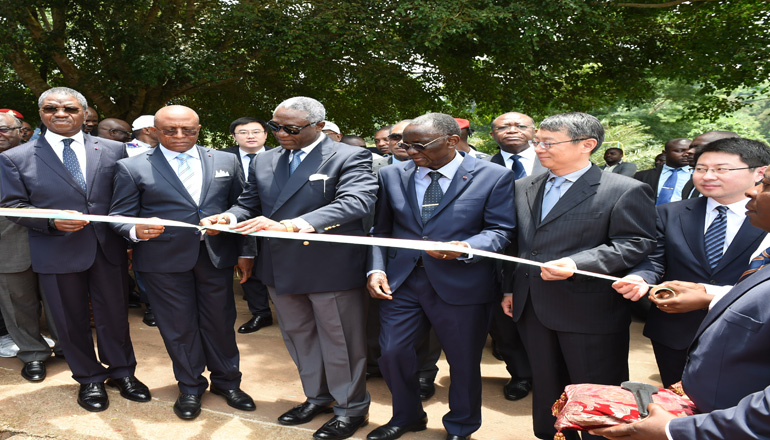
x=457, y=437
x=236, y=398
x=33, y=371
x=517, y=389
x=427, y=389
x=303, y=413
x=390, y=432
x=187, y=406
x=149, y=319
x=131, y=388
x=340, y=427
x=255, y=323
x=93, y=397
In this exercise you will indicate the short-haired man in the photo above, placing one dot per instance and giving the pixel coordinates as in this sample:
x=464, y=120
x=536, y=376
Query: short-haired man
x=397, y=154
x=26, y=131
x=114, y=129
x=145, y=136
x=76, y=260
x=575, y=328
x=91, y=121
x=613, y=163
x=689, y=191
x=668, y=180
x=703, y=240
x=381, y=140
x=512, y=132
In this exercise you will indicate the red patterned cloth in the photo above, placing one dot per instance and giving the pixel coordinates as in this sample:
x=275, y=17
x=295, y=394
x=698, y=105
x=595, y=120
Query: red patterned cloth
x=588, y=406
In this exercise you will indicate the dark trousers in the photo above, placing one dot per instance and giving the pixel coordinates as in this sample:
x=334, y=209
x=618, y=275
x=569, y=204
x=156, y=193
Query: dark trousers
x=509, y=344
x=256, y=295
x=670, y=363
x=462, y=331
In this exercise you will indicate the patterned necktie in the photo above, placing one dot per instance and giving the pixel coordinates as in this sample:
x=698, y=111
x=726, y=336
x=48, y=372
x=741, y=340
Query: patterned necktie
x=72, y=164
x=551, y=196
x=668, y=187
x=432, y=197
x=518, y=168
x=715, y=237
x=758, y=262
x=187, y=176
x=296, y=159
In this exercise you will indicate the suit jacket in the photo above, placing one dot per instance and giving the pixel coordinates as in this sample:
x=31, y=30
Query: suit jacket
x=728, y=367
x=336, y=202
x=680, y=255
x=689, y=191
x=537, y=167
x=477, y=208
x=32, y=176
x=604, y=223
x=650, y=177
x=624, y=168
x=146, y=186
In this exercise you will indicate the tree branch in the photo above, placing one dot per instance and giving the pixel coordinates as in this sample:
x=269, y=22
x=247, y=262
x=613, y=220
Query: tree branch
x=660, y=5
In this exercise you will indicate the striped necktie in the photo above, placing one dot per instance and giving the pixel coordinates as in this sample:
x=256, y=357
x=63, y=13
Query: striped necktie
x=758, y=262
x=296, y=159
x=187, y=176
x=71, y=163
x=552, y=195
x=715, y=237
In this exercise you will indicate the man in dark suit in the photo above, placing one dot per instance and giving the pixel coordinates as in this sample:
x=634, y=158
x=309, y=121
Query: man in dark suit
x=250, y=135
x=667, y=181
x=441, y=196
x=188, y=279
x=314, y=184
x=575, y=327
x=512, y=132
x=76, y=260
x=613, y=162
x=727, y=374
x=724, y=171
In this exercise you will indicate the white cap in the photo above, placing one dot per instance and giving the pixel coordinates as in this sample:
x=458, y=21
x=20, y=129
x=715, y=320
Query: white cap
x=143, y=121
x=331, y=126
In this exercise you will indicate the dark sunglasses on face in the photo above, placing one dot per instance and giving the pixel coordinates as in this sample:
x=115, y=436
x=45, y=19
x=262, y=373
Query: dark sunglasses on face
x=419, y=147
x=51, y=110
x=291, y=129
x=395, y=137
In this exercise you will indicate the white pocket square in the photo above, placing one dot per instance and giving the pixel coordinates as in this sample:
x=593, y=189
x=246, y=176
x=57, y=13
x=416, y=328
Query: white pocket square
x=314, y=177
x=221, y=173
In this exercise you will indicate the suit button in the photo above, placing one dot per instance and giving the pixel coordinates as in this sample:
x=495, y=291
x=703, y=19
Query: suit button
x=526, y=274
x=534, y=252
x=425, y=237
x=306, y=243
x=90, y=204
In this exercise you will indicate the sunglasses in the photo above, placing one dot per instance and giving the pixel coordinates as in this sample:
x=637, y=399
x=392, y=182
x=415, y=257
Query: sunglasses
x=291, y=129
x=419, y=147
x=395, y=137
x=51, y=110
x=187, y=132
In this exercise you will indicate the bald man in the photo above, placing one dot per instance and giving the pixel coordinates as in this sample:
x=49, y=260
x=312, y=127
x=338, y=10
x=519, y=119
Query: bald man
x=114, y=129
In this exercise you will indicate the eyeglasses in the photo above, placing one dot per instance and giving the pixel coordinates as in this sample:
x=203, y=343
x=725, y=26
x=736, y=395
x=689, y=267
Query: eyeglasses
x=51, y=110
x=504, y=128
x=247, y=132
x=395, y=137
x=419, y=147
x=6, y=130
x=124, y=133
x=549, y=145
x=25, y=130
x=187, y=132
x=291, y=129
x=704, y=170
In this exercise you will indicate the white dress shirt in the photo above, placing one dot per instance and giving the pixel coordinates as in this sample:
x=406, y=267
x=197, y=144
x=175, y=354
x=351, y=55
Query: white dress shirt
x=245, y=160
x=526, y=157
x=78, y=146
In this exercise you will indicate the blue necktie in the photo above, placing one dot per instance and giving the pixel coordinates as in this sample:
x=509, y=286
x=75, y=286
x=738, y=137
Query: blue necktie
x=715, y=237
x=518, y=168
x=432, y=197
x=72, y=164
x=758, y=262
x=186, y=175
x=296, y=159
x=668, y=187
x=552, y=196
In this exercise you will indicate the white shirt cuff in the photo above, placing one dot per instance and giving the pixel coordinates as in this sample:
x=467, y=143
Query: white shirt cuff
x=233, y=220
x=717, y=291
x=374, y=271
x=132, y=235
x=302, y=225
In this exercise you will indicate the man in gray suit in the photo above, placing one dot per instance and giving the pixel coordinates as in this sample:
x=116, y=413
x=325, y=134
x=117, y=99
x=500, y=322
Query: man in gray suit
x=19, y=291
x=613, y=159
x=575, y=327
x=314, y=184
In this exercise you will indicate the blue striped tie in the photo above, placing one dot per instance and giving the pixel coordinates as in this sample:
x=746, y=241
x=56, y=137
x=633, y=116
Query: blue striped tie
x=758, y=262
x=296, y=159
x=552, y=195
x=432, y=197
x=715, y=237
x=186, y=175
x=71, y=163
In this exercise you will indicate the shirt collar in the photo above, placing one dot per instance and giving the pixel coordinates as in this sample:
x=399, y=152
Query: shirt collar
x=528, y=153
x=738, y=207
x=244, y=153
x=310, y=147
x=685, y=168
x=55, y=138
x=573, y=176
x=447, y=170
x=170, y=155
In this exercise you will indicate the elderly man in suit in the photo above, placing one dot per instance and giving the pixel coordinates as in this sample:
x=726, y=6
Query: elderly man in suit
x=668, y=181
x=188, y=278
x=76, y=260
x=703, y=240
x=512, y=132
x=574, y=327
x=727, y=374
x=314, y=184
x=613, y=163
x=440, y=195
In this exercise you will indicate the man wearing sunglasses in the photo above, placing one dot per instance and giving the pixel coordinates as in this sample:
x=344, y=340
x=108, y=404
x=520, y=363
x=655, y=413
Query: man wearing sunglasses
x=77, y=260
x=114, y=129
x=440, y=195
x=314, y=184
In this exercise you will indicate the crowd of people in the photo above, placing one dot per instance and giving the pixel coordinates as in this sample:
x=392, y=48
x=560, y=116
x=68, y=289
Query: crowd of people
x=360, y=311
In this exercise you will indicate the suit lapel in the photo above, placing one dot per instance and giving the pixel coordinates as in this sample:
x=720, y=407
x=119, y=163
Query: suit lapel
x=309, y=165
x=159, y=162
x=93, y=159
x=744, y=239
x=408, y=185
x=460, y=181
x=692, y=221
x=207, y=166
x=583, y=188
x=498, y=159
x=45, y=152
x=535, y=203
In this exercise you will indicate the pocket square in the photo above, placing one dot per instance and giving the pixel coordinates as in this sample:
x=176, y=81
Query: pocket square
x=314, y=177
x=221, y=173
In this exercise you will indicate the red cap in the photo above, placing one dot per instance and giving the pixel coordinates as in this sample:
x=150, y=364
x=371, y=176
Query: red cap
x=15, y=113
x=463, y=123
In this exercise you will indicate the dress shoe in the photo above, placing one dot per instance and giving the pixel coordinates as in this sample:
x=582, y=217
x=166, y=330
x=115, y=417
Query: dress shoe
x=33, y=371
x=93, y=397
x=340, y=427
x=149, y=319
x=303, y=413
x=131, y=388
x=427, y=389
x=255, y=323
x=517, y=389
x=187, y=406
x=390, y=432
x=235, y=398
x=457, y=437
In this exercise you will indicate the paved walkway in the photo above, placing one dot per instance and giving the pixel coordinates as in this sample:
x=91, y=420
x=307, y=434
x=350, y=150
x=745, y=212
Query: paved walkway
x=49, y=409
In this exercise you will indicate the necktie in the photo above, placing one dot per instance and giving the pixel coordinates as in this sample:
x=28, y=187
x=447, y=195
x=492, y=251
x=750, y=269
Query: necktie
x=187, y=176
x=668, y=187
x=758, y=262
x=715, y=237
x=518, y=168
x=432, y=197
x=551, y=196
x=296, y=159
x=248, y=165
x=71, y=163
